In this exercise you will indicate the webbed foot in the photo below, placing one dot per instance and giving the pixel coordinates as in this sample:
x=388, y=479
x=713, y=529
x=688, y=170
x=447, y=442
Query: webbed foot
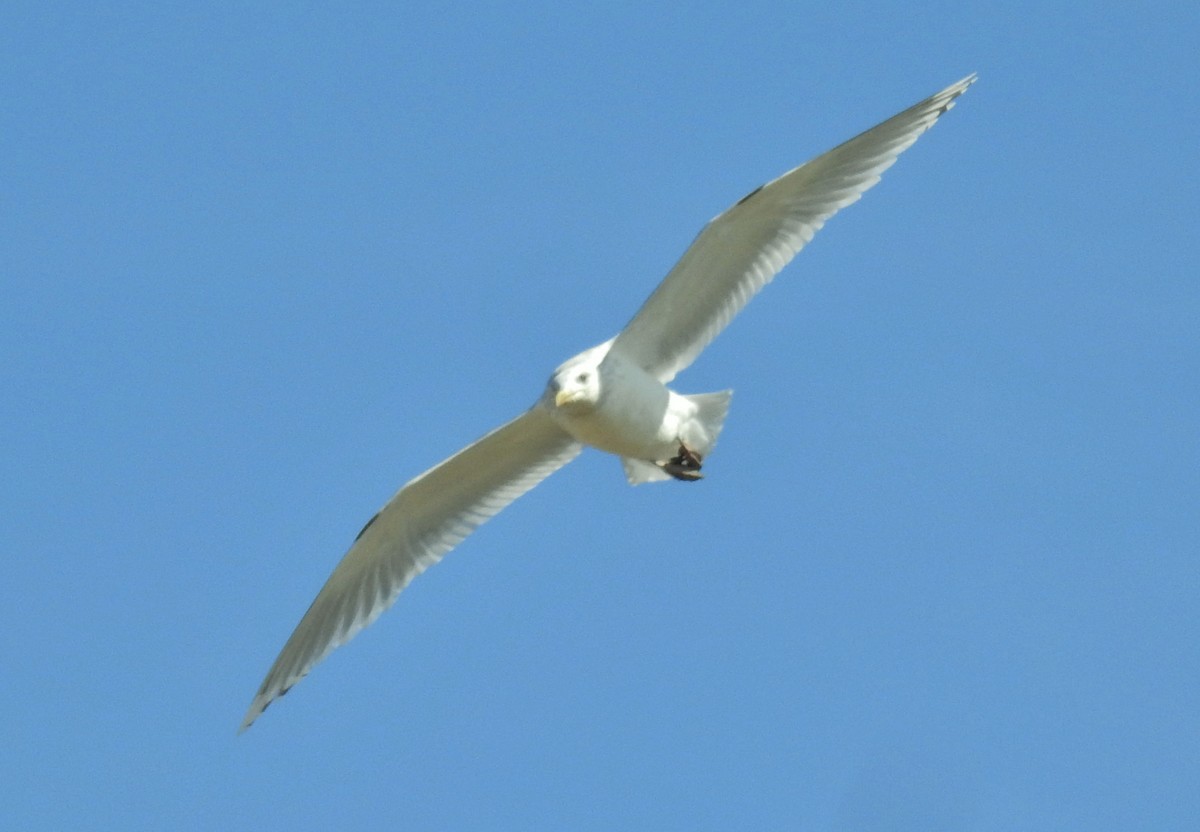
x=685, y=466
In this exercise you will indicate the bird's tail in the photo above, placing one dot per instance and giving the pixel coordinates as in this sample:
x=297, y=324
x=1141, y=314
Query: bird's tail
x=711, y=409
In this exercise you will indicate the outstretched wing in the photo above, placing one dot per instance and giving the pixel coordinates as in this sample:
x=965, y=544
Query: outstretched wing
x=426, y=519
x=741, y=250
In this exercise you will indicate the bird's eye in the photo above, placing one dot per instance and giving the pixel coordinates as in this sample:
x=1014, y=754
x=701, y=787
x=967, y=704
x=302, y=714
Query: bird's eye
x=582, y=378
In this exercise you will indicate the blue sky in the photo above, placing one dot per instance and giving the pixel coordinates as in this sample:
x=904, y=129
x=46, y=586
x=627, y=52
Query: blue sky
x=262, y=265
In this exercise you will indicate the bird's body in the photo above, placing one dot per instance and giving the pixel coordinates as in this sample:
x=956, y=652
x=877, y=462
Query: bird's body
x=608, y=402
x=612, y=397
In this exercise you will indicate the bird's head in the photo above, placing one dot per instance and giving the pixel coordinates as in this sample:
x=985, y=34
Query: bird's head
x=575, y=386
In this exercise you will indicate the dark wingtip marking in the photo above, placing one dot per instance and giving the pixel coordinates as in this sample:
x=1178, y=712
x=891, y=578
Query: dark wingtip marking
x=364, y=528
x=752, y=193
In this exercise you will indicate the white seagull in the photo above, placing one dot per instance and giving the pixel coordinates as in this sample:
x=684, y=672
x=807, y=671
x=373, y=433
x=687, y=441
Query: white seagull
x=612, y=397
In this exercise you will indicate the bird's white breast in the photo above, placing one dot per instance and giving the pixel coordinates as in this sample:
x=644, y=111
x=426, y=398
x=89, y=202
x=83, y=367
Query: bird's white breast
x=636, y=415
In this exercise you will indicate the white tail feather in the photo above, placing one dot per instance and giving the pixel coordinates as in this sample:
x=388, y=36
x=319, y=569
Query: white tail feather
x=711, y=409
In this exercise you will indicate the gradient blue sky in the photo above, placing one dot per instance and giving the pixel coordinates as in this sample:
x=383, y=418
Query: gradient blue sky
x=263, y=263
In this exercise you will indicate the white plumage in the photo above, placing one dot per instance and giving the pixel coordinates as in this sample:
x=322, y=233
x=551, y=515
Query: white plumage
x=612, y=397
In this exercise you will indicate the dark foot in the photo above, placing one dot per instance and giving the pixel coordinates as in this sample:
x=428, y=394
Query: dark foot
x=685, y=466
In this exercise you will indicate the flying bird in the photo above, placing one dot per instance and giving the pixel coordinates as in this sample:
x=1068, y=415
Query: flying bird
x=613, y=397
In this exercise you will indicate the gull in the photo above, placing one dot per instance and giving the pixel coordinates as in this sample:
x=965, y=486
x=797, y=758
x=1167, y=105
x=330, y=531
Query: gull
x=612, y=397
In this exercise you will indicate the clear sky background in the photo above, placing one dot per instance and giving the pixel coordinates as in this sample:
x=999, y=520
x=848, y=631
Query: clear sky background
x=261, y=264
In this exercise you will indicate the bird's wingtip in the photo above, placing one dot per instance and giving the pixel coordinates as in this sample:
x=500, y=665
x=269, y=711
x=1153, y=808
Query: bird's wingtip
x=965, y=82
x=253, y=713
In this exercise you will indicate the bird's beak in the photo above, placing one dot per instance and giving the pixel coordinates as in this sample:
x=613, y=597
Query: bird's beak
x=565, y=397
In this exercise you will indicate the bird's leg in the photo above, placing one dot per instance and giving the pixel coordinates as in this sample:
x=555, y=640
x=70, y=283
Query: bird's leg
x=684, y=466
